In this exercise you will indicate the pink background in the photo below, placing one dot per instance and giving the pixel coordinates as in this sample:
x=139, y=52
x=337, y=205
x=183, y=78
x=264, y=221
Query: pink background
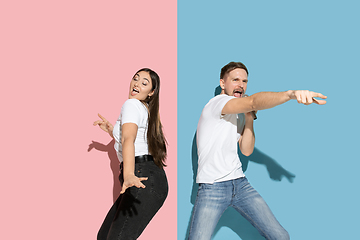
x=62, y=62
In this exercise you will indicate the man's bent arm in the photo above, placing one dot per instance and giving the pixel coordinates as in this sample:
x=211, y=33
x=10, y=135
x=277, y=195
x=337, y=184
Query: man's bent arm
x=247, y=139
x=265, y=100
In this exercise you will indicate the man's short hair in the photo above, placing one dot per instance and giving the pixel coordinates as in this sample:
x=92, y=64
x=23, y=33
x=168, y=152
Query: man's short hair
x=231, y=66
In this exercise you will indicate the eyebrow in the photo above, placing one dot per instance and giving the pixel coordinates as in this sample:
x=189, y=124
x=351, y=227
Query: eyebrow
x=144, y=78
x=245, y=79
x=147, y=80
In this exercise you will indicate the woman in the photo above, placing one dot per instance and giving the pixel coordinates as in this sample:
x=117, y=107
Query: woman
x=141, y=148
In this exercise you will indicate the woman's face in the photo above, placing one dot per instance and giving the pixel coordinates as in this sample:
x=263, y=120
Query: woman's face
x=140, y=86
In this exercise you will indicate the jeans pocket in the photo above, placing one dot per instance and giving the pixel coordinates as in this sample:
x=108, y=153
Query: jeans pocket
x=158, y=182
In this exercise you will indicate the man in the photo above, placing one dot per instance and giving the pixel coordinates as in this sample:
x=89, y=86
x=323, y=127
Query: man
x=225, y=120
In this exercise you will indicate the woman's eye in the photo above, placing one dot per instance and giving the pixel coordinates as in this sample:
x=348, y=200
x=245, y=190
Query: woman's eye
x=144, y=83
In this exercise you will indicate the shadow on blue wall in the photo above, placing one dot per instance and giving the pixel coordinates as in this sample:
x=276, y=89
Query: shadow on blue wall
x=231, y=218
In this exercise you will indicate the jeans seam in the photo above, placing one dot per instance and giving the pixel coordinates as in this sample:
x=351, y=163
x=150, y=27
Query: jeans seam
x=196, y=208
x=247, y=216
x=251, y=221
x=193, y=215
x=127, y=217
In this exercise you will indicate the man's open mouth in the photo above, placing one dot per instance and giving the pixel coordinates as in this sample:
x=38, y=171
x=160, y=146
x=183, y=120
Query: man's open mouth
x=238, y=93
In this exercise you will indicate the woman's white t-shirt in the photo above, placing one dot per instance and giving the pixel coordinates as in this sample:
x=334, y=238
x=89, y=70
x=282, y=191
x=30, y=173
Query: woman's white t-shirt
x=132, y=111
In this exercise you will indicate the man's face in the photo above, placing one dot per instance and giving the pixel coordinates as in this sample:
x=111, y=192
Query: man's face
x=234, y=83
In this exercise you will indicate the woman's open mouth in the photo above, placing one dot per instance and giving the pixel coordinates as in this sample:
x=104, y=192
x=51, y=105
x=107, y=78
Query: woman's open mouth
x=134, y=92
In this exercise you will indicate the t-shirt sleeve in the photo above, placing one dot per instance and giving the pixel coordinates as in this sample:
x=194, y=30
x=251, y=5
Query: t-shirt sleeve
x=130, y=112
x=220, y=104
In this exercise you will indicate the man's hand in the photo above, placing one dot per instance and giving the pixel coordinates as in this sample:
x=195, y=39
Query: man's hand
x=249, y=116
x=307, y=97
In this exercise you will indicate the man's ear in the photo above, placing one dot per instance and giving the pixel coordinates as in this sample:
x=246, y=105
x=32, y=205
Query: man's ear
x=222, y=84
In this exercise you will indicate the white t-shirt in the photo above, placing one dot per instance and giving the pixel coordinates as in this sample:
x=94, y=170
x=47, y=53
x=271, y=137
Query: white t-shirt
x=133, y=111
x=217, y=139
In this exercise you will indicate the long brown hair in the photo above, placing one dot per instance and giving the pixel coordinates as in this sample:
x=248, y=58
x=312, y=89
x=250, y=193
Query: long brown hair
x=155, y=137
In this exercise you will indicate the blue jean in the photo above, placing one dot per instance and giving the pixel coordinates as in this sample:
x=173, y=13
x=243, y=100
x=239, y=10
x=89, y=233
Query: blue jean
x=213, y=199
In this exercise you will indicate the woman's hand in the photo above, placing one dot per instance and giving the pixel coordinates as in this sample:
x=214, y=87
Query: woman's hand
x=104, y=125
x=132, y=180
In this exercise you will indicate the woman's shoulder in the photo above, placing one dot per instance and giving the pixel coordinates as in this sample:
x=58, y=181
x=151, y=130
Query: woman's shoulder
x=134, y=103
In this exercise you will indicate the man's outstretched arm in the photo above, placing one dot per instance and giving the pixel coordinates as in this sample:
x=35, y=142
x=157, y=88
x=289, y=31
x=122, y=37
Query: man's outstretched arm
x=265, y=100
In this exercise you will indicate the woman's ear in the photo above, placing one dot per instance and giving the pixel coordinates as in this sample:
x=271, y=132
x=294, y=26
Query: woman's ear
x=151, y=93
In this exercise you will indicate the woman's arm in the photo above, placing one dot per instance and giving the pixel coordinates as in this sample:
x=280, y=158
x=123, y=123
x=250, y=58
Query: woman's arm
x=104, y=125
x=128, y=136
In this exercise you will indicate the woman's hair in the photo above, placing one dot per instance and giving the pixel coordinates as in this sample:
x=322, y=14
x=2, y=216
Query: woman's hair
x=155, y=137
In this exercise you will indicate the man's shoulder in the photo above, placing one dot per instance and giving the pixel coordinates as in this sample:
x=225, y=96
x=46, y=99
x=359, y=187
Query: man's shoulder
x=222, y=98
x=215, y=105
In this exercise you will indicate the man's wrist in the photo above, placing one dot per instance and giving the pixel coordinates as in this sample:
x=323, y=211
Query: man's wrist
x=248, y=117
x=291, y=94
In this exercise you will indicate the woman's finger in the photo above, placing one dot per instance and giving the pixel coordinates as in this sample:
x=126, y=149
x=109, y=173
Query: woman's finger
x=104, y=119
x=123, y=188
x=97, y=122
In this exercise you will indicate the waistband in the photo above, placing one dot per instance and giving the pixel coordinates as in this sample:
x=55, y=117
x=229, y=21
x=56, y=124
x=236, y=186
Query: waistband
x=143, y=158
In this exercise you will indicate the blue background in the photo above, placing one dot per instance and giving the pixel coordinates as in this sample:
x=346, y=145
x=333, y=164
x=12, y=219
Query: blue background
x=306, y=159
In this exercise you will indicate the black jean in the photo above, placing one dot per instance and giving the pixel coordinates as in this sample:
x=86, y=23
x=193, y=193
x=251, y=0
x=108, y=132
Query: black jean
x=135, y=208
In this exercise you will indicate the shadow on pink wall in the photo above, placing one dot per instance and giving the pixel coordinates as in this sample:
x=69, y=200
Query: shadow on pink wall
x=114, y=163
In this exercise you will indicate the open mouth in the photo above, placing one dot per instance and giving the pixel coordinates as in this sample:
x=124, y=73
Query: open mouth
x=238, y=93
x=134, y=91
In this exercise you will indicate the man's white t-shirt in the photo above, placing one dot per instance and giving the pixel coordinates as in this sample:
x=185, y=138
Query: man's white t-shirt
x=217, y=139
x=132, y=111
